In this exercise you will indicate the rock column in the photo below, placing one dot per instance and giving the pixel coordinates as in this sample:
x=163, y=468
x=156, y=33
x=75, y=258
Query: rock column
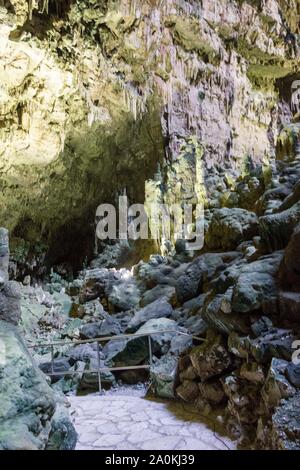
x=10, y=310
x=4, y=255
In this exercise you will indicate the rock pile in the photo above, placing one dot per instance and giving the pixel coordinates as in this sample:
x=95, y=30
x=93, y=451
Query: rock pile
x=32, y=415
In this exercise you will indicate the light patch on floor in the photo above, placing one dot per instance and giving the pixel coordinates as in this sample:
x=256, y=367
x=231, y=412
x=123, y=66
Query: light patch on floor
x=120, y=422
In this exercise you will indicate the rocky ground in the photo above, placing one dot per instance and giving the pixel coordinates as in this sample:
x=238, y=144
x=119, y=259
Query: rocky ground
x=168, y=102
x=241, y=295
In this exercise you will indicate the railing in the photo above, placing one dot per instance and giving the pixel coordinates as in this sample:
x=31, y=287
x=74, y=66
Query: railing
x=100, y=369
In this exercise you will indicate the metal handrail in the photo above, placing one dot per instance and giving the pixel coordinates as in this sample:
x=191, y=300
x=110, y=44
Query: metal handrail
x=107, y=338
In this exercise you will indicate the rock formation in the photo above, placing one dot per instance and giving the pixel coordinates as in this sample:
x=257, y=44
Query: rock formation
x=32, y=416
x=181, y=101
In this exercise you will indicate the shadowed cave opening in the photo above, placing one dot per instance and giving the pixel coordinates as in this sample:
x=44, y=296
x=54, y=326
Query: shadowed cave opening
x=96, y=166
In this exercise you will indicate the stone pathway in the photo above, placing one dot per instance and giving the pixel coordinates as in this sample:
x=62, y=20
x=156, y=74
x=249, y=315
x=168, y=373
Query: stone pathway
x=118, y=422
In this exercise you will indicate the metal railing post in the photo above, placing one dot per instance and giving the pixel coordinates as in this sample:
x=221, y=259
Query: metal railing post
x=150, y=350
x=52, y=359
x=99, y=367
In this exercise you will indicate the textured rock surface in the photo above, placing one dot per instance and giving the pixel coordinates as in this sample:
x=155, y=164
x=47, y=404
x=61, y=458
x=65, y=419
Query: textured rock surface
x=27, y=402
x=185, y=70
x=32, y=415
x=170, y=102
x=228, y=227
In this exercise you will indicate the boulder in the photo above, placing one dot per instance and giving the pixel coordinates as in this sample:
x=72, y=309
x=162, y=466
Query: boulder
x=289, y=273
x=4, y=255
x=211, y=358
x=188, y=391
x=277, y=229
x=200, y=272
x=289, y=306
x=10, y=310
x=275, y=343
x=157, y=271
x=243, y=399
x=212, y=392
x=188, y=374
x=95, y=284
x=157, y=309
x=27, y=403
x=195, y=325
x=163, y=343
x=83, y=353
x=135, y=351
x=276, y=386
x=61, y=365
x=90, y=380
x=261, y=326
x=293, y=374
x=168, y=292
x=284, y=431
x=223, y=322
x=228, y=227
x=124, y=295
x=93, y=308
x=195, y=304
x=62, y=435
x=256, y=286
x=163, y=376
x=107, y=327
x=253, y=372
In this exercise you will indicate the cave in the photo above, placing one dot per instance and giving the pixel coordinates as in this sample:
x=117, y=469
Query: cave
x=149, y=227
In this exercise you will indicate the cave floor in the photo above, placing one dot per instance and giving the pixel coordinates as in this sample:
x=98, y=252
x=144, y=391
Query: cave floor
x=124, y=422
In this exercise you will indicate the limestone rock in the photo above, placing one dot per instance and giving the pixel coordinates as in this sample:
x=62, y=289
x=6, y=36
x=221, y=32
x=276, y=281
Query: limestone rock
x=158, y=309
x=90, y=381
x=275, y=343
x=252, y=372
x=163, y=376
x=4, y=255
x=284, y=429
x=124, y=295
x=212, y=392
x=188, y=391
x=276, y=386
x=243, y=399
x=62, y=435
x=211, y=358
x=106, y=327
x=215, y=317
x=277, y=229
x=200, y=272
x=289, y=269
x=10, y=310
x=256, y=286
x=157, y=292
x=60, y=365
x=293, y=374
x=229, y=227
x=27, y=403
x=289, y=306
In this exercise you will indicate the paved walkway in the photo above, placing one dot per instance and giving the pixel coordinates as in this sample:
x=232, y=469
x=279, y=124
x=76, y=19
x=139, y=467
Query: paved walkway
x=118, y=422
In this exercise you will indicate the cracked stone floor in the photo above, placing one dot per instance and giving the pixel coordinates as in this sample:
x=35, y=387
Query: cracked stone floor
x=120, y=422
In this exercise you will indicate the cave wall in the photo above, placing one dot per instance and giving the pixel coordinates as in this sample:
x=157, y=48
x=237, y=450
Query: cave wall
x=95, y=94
